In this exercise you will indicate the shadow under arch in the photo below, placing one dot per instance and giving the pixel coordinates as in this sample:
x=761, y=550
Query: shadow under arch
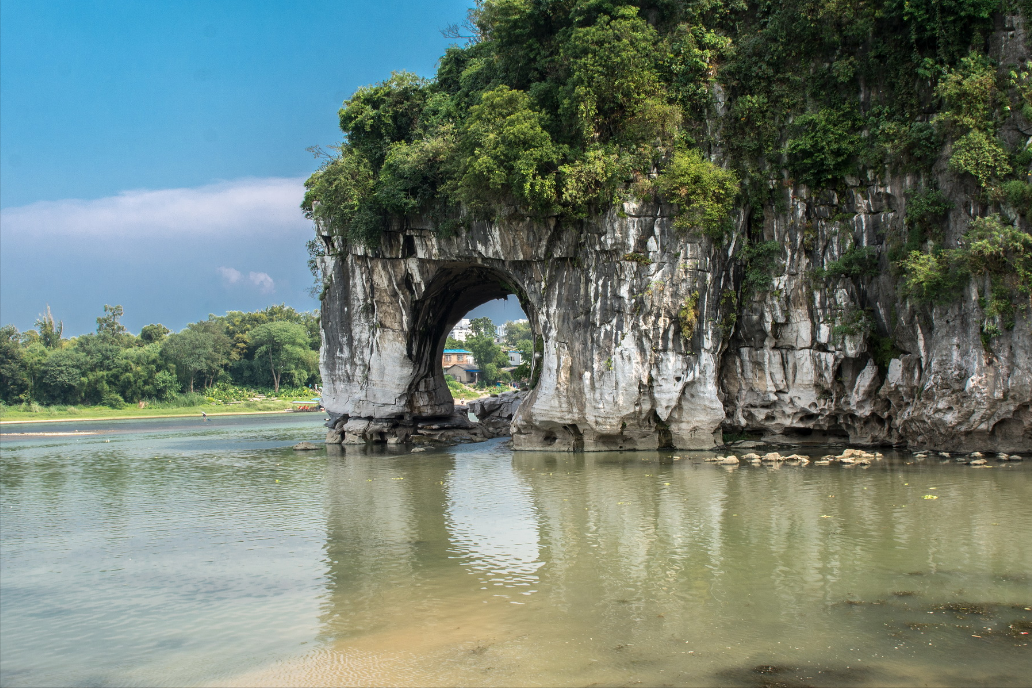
x=455, y=289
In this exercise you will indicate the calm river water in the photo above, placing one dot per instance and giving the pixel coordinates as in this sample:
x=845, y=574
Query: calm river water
x=175, y=552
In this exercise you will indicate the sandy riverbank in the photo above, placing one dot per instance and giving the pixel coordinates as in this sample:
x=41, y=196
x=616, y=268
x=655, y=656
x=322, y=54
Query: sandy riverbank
x=197, y=414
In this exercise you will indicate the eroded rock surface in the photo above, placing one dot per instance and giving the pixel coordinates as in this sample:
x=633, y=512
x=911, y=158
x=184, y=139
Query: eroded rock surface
x=619, y=370
x=495, y=413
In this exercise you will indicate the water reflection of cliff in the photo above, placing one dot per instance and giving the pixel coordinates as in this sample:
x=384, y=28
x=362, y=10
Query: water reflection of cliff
x=641, y=552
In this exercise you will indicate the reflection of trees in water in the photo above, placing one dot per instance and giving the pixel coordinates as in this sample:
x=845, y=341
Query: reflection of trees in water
x=643, y=548
x=638, y=535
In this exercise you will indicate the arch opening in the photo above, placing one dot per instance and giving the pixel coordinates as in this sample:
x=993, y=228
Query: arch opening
x=455, y=290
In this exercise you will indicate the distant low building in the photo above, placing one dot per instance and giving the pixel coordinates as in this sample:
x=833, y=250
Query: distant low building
x=453, y=356
x=466, y=373
x=514, y=357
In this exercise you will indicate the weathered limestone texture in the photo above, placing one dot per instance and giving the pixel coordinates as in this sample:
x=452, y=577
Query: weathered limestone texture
x=800, y=367
x=616, y=372
x=495, y=413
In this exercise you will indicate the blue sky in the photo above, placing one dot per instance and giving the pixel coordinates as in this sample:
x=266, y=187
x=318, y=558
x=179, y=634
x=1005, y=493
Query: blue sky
x=152, y=153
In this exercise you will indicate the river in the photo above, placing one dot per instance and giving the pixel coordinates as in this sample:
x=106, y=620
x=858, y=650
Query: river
x=181, y=552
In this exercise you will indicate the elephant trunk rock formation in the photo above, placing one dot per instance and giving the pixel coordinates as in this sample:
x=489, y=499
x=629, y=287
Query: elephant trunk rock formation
x=618, y=369
x=652, y=338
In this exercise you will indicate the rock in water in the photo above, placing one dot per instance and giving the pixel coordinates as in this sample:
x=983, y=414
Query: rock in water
x=306, y=446
x=495, y=413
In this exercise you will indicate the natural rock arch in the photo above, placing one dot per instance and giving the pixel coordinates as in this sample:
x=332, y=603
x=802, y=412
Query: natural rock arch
x=455, y=289
x=618, y=368
x=617, y=371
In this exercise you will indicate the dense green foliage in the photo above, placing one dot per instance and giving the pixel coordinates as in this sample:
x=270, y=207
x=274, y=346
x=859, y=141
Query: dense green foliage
x=991, y=249
x=562, y=108
x=857, y=261
x=520, y=337
x=229, y=356
x=688, y=316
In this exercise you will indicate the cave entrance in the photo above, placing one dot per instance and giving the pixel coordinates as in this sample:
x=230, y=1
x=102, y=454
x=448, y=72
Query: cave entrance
x=450, y=341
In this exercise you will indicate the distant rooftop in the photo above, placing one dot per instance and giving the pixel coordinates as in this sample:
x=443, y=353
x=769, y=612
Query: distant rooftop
x=468, y=367
x=458, y=351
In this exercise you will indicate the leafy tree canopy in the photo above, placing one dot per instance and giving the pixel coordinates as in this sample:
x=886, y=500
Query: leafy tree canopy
x=283, y=345
x=564, y=108
x=113, y=367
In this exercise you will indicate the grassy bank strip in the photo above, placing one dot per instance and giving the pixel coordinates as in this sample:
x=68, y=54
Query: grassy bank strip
x=87, y=414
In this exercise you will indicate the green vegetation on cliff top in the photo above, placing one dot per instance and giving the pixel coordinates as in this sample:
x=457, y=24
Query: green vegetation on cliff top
x=561, y=108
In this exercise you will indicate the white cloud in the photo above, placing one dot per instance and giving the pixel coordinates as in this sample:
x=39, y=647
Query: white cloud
x=262, y=281
x=246, y=207
x=231, y=275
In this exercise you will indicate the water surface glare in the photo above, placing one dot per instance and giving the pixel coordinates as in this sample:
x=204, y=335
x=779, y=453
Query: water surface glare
x=177, y=552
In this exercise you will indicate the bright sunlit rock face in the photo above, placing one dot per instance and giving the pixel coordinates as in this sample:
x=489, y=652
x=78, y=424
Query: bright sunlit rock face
x=622, y=365
x=616, y=372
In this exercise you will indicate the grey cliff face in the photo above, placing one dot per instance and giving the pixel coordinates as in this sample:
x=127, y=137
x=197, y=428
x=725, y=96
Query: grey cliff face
x=617, y=370
x=800, y=365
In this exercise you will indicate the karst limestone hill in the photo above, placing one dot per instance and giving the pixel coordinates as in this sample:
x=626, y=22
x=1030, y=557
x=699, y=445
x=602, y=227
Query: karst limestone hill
x=806, y=221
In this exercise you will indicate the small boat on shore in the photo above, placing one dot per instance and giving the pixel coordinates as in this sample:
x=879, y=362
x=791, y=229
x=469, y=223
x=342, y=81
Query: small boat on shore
x=310, y=405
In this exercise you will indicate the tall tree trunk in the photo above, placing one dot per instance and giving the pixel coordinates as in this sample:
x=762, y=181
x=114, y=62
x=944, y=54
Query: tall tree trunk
x=275, y=377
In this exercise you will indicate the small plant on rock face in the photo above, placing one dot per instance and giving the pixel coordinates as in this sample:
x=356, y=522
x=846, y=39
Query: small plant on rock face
x=937, y=277
x=639, y=258
x=688, y=316
x=1019, y=195
x=728, y=306
x=980, y=155
x=653, y=288
x=1000, y=249
x=809, y=236
x=703, y=191
x=853, y=322
x=760, y=263
x=926, y=213
x=883, y=350
x=989, y=331
x=858, y=261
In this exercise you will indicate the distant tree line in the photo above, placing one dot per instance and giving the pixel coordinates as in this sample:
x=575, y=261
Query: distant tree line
x=260, y=350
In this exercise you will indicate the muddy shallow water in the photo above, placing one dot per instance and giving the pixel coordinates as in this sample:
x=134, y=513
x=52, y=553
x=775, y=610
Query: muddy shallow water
x=175, y=552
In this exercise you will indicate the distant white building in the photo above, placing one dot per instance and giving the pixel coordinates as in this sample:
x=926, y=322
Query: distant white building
x=514, y=357
x=461, y=330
